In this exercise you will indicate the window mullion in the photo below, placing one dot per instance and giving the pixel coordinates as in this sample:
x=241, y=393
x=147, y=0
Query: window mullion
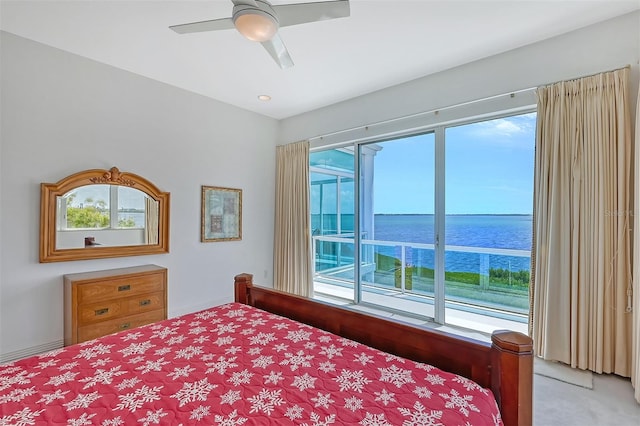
x=357, y=237
x=439, y=222
x=113, y=206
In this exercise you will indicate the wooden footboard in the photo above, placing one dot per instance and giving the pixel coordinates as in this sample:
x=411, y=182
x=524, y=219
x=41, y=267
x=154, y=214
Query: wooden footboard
x=505, y=366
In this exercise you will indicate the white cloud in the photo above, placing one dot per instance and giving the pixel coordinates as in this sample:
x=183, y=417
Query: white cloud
x=504, y=127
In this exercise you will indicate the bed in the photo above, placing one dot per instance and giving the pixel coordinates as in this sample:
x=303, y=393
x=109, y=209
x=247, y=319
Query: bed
x=273, y=358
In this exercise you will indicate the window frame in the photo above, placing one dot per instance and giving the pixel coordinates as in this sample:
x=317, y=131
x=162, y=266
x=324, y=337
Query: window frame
x=438, y=127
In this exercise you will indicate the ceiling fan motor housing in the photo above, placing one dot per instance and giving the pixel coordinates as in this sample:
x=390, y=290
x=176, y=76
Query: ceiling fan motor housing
x=255, y=23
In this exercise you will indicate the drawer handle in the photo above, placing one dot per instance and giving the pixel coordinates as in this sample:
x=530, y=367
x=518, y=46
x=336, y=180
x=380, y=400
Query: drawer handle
x=124, y=287
x=125, y=326
x=145, y=302
x=101, y=311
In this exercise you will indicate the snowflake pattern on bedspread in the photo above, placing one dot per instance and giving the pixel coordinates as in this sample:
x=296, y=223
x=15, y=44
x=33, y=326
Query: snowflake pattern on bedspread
x=234, y=365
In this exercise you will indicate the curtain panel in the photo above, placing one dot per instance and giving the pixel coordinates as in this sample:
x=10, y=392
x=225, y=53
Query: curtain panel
x=292, y=241
x=152, y=214
x=635, y=369
x=582, y=254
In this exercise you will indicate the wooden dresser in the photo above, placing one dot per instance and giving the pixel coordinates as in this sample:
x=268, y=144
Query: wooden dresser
x=104, y=302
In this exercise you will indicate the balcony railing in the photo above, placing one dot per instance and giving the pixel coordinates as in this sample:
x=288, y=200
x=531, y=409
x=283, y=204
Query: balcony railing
x=491, y=278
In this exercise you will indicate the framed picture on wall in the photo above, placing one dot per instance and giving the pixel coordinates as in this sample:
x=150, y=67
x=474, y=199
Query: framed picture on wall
x=221, y=214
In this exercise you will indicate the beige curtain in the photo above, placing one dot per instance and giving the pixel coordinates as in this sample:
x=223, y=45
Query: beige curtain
x=151, y=221
x=292, y=242
x=635, y=370
x=582, y=231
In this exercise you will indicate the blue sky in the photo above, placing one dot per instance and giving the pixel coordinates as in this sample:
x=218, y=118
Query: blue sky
x=488, y=170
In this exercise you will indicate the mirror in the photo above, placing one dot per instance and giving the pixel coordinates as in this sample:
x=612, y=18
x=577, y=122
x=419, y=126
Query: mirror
x=102, y=213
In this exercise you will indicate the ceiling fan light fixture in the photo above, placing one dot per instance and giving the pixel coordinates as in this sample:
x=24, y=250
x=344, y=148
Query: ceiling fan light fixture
x=259, y=20
x=255, y=24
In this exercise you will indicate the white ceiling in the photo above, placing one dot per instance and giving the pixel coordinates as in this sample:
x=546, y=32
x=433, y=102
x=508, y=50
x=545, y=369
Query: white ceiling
x=382, y=43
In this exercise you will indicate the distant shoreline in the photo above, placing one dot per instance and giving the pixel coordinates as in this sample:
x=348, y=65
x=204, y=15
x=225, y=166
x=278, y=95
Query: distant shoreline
x=454, y=214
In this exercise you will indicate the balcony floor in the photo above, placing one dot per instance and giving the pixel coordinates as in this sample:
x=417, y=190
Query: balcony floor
x=460, y=319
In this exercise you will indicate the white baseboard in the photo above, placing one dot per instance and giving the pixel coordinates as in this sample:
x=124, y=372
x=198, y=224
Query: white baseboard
x=27, y=352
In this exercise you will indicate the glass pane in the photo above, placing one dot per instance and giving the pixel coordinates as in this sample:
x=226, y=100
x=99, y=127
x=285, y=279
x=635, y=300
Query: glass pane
x=332, y=216
x=397, y=223
x=131, y=207
x=323, y=221
x=488, y=228
x=333, y=159
x=347, y=206
x=87, y=207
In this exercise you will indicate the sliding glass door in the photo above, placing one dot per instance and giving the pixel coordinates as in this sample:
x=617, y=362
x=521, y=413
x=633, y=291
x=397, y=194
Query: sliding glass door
x=397, y=224
x=488, y=221
x=442, y=222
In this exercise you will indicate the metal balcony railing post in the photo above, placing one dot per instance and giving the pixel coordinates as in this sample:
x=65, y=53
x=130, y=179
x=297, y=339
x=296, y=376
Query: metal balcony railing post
x=402, y=273
x=484, y=271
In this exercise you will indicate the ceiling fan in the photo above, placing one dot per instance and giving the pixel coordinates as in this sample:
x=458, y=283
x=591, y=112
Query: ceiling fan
x=259, y=20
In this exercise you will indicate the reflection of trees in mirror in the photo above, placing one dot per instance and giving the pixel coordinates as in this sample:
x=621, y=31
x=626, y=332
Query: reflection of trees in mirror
x=94, y=212
x=86, y=217
x=91, y=214
x=126, y=223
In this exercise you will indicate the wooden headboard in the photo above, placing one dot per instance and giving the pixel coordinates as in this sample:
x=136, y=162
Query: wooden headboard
x=505, y=366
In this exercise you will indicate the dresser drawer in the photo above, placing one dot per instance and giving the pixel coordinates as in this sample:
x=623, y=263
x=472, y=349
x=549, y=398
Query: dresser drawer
x=119, y=287
x=92, y=331
x=108, y=309
x=144, y=303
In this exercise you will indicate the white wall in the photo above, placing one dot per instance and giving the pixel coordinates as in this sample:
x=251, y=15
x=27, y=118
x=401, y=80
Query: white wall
x=602, y=47
x=62, y=113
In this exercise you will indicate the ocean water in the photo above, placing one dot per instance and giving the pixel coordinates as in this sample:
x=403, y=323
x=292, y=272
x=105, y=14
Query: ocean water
x=485, y=231
x=493, y=231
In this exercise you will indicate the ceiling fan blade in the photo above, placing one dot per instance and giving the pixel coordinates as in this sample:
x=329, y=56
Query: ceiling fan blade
x=278, y=51
x=300, y=13
x=212, y=25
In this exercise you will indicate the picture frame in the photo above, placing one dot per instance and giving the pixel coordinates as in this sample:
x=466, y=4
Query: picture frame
x=221, y=214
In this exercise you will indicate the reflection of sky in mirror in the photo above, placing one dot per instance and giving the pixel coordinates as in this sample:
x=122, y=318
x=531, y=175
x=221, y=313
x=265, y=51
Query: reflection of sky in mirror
x=128, y=198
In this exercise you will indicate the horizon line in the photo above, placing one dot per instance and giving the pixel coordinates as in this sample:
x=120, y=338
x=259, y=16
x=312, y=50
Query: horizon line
x=453, y=214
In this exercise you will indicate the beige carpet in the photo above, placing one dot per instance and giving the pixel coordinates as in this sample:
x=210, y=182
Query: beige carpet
x=609, y=403
x=562, y=372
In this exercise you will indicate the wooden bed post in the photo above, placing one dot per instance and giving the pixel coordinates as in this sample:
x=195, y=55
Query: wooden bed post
x=512, y=357
x=242, y=284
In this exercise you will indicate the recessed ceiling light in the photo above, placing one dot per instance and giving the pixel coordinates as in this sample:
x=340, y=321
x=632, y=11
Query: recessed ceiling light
x=264, y=98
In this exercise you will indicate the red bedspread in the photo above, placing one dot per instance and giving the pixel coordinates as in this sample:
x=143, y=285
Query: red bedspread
x=234, y=365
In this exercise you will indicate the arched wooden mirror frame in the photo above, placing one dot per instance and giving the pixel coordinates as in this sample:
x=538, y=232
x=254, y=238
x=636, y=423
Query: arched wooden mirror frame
x=48, y=209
